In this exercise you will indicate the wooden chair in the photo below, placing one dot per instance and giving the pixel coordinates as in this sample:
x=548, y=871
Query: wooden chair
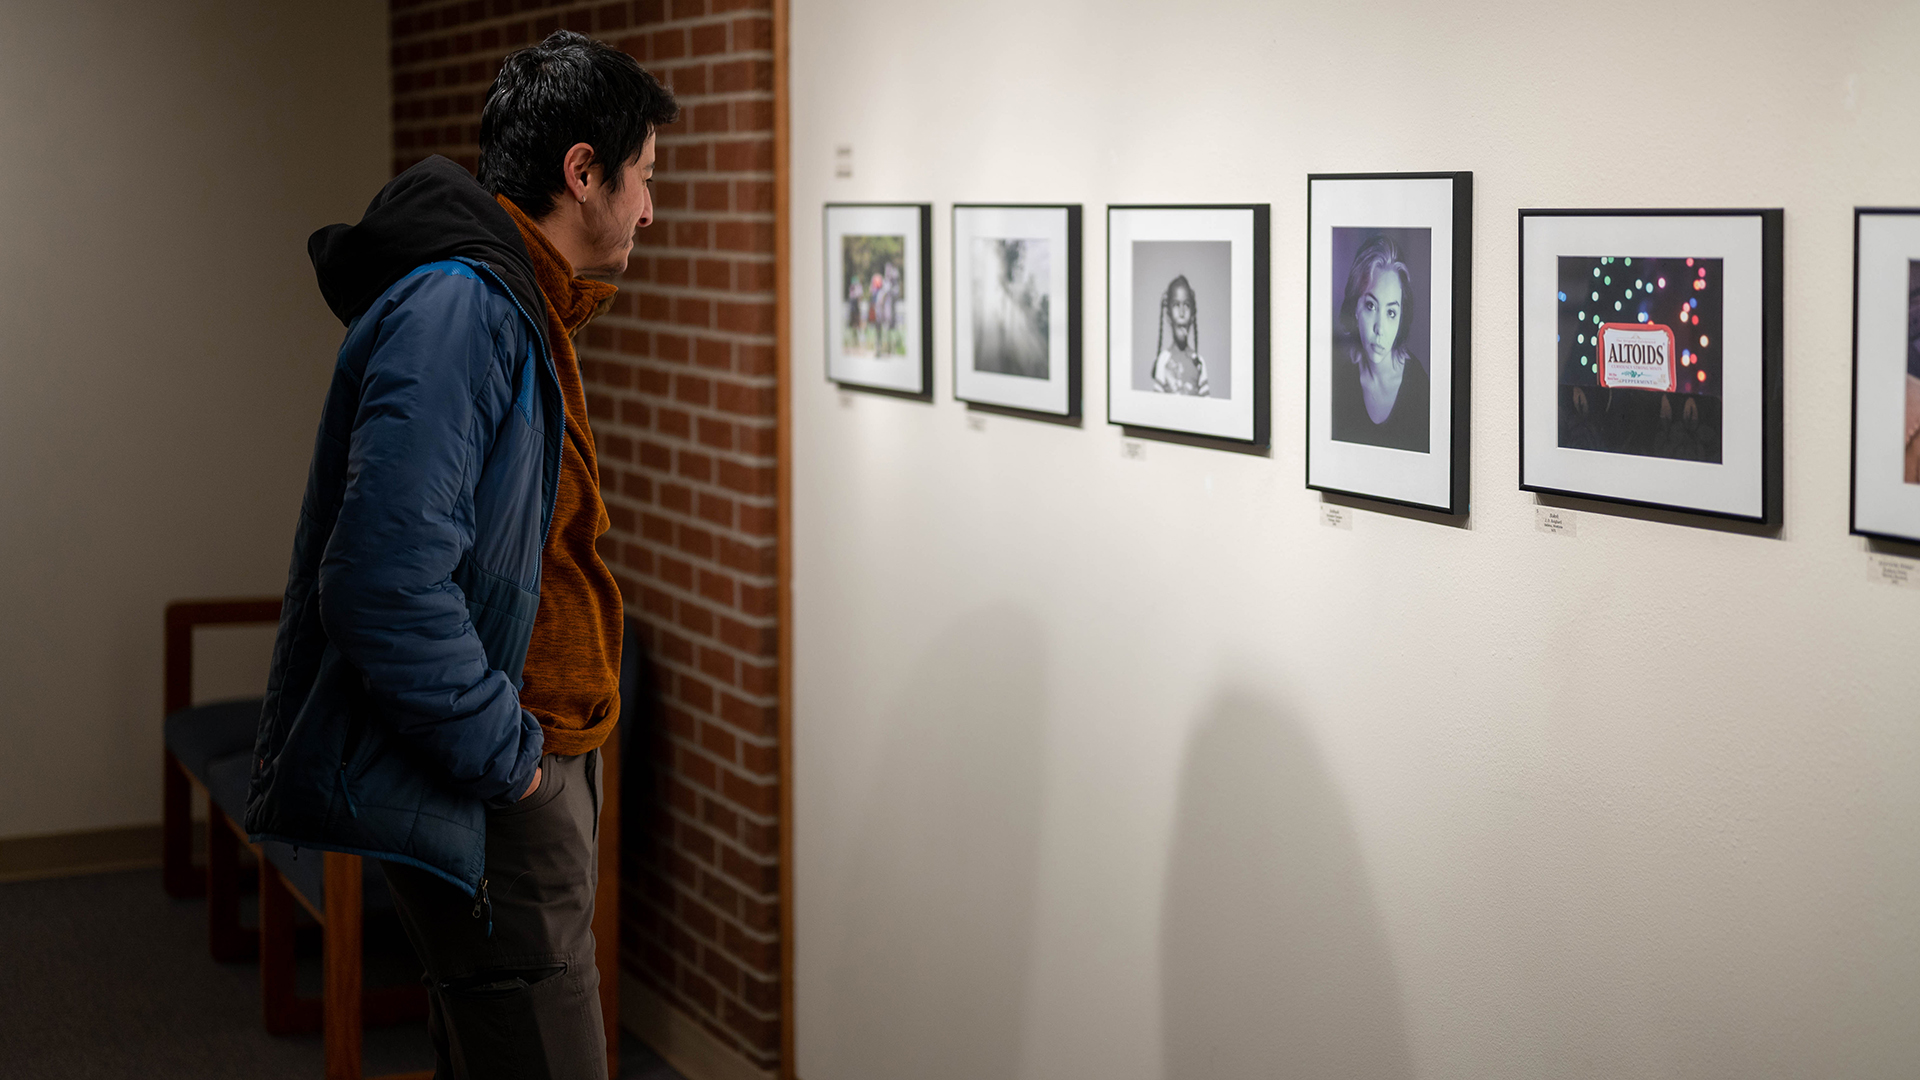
x=337, y=896
x=196, y=737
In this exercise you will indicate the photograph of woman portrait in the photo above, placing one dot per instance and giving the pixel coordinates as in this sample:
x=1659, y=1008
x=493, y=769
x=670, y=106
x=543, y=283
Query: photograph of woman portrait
x=1379, y=377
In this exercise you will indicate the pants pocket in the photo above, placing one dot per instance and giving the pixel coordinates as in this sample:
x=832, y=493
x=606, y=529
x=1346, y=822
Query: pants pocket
x=526, y=1024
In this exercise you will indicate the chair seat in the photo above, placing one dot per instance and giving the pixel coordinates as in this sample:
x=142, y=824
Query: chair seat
x=201, y=734
x=227, y=781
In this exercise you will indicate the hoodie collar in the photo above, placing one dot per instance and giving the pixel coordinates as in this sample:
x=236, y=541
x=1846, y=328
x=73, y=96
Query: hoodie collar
x=571, y=300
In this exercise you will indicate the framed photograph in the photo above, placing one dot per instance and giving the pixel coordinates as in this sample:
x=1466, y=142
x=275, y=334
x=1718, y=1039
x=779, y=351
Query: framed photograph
x=1389, y=308
x=1886, y=374
x=1016, y=308
x=879, y=301
x=1187, y=337
x=1650, y=358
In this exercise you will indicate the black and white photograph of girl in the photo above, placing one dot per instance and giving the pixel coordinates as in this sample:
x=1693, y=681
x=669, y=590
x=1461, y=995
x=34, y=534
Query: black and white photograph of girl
x=1182, y=317
x=1380, y=378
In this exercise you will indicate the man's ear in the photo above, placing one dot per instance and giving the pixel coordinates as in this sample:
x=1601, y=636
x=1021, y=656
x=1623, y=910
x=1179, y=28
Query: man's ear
x=577, y=169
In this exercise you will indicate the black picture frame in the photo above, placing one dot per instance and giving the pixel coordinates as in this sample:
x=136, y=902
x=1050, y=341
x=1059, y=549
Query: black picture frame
x=1259, y=439
x=922, y=338
x=1888, y=509
x=1074, y=244
x=1458, y=486
x=1765, y=365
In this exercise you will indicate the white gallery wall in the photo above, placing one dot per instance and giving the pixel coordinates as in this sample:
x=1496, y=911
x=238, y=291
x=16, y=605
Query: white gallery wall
x=1127, y=768
x=163, y=354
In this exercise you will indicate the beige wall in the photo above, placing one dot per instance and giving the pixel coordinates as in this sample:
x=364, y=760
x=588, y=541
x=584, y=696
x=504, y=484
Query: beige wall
x=1127, y=769
x=163, y=352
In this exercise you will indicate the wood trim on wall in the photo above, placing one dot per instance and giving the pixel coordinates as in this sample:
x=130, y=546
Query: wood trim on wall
x=783, y=504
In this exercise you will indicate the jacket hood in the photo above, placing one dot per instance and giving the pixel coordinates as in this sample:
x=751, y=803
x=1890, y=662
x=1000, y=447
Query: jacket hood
x=435, y=210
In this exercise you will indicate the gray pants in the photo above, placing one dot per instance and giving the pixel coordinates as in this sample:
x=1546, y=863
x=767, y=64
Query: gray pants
x=512, y=988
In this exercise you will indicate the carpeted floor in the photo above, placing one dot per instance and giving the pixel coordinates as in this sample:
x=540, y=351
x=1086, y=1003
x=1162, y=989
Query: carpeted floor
x=107, y=977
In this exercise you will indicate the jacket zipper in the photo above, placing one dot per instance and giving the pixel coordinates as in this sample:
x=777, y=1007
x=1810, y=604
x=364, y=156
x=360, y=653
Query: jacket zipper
x=481, y=902
x=553, y=372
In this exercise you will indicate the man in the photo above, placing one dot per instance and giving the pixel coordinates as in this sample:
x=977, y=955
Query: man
x=447, y=665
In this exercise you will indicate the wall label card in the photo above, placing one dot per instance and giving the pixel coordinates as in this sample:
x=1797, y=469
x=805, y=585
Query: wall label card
x=1893, y=570
x=1556, y=522
x=1335, y=516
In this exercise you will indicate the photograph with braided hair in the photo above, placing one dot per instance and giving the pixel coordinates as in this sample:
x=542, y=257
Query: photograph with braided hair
x=1187, y=334
x=1187, y=348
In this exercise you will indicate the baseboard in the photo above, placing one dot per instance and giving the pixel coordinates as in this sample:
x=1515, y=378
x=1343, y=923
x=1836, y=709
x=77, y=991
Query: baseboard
x=95, y=851
x=673, y=1035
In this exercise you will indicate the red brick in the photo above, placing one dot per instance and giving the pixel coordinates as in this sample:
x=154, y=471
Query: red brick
x=696, y=466
x=698, y=695
x=715, y=739
x=712, y=196
x=759, y=680
x=677, y=573
x=757, y=720
x=740, y=398
x=688, y=9
x=709, y=39
x=724, y=818
x=697, y=843
x=756, y=520
x=722, y=971
x=746, y=558
x=737, y=76
x=752, y=33
x=672, y=423
x=757, y=877
x=713, y=273
x=692, y=311
x=696, y=541
x=649, y=11
x=756, y=360
x=717, y=509
x=671, y=347
x=747, y=479
x=717, y=434
x=695, y=618
x=757, y=601
x=671, y=270
x=759, y=760
x=753, y=236
x=719, y=589
x=744, y=318
x=666, y=45
x=611, y=17
x=693, y=389
x=743, y=155
x=759, y=1032
x=690, y=80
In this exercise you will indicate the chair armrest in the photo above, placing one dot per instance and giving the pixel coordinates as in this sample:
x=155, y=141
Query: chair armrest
x=182, y=617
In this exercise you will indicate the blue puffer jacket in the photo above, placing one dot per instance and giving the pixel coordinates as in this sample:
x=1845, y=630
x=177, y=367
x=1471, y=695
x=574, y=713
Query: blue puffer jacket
x=392, y=715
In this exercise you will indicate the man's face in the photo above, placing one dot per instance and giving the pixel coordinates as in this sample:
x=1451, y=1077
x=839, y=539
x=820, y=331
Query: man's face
x=611, y=217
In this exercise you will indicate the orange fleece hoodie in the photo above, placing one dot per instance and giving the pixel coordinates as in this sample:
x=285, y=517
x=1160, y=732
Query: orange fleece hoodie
x=572, y=679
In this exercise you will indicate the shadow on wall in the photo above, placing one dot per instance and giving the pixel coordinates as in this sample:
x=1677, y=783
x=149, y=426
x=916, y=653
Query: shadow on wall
x=932, y=975
x=1272, y=956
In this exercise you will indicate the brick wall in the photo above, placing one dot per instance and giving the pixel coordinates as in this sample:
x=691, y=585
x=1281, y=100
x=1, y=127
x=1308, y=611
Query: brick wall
x=681, y=392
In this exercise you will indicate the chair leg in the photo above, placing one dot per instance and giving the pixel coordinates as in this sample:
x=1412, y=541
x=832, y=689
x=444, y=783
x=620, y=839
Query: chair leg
x=284, y=1011
x=340, y=967
x=226, y=938
x=177, y=874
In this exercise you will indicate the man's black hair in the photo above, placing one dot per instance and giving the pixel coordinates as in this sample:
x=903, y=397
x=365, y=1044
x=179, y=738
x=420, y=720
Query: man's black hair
x=568, y=89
